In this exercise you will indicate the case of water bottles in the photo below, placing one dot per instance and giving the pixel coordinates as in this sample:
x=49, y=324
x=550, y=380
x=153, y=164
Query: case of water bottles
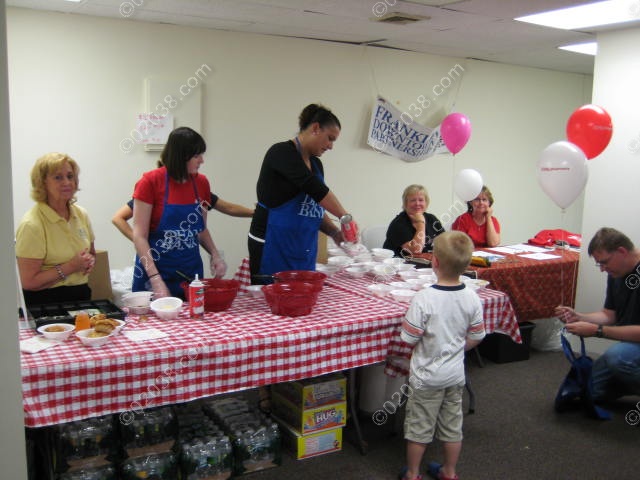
x=149, y=433
x=204, y=449
x=255, y=438
x=86, y=445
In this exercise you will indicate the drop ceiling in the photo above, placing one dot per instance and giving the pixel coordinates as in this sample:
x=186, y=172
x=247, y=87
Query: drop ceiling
x=480, y=29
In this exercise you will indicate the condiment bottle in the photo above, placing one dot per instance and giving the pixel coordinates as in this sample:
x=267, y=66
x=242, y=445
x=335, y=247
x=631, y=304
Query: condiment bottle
x=196, y=298
x=348, y=227
x=82, y=321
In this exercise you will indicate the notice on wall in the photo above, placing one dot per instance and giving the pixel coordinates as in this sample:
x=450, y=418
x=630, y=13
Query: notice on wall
x=396, y=133
x=153, y=129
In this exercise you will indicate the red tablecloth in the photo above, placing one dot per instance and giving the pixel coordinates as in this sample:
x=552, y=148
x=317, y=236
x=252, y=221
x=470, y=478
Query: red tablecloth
x=243, y=347
x=535, y=287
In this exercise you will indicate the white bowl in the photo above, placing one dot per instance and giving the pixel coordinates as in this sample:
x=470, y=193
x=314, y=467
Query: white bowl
x=477, y=284
x=328, y=270
x=335, y=252
x=407, y=274
x=363, y=257
x=379, y=289
x=382, y=252
x=255, y=291
x=84, y=337
x=166, y=308
x=402, y=295
x=406, y=267
x=396, y=261
x=62, y=335
x=401, y=285
x=356, y=271
x=121, y=323
x=340, y=261
x=383, y=270
x=417, y=283
x=137, y=302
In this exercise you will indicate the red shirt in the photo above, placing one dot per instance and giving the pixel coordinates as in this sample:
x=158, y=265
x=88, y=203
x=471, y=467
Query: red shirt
x=150, y=189
x=478, y=233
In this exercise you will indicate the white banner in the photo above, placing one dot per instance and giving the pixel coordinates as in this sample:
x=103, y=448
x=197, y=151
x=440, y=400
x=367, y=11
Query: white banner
x=396, y=133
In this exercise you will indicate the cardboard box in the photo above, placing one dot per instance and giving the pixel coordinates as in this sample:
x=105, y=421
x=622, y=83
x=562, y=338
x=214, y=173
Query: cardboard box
x=100, y=278
x=499, y=348
x=309, y=420
x=314, y=392
x=313, y=444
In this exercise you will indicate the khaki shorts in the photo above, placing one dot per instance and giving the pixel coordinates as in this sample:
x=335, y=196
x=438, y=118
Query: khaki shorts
x=434, y=411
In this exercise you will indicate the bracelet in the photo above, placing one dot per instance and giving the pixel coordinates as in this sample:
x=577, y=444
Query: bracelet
x=61, y=274
x=154, y=275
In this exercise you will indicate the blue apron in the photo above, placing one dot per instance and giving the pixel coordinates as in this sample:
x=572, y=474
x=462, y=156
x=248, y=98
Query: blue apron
x=291, y=241
x=174, y=245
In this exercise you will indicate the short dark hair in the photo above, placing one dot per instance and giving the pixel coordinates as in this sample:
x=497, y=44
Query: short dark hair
x=182, y=145
x=313, y=113
x=609, y=240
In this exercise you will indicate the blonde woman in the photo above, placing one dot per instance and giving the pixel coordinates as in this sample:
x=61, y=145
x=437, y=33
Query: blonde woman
x=54, y=241
x=413, y=230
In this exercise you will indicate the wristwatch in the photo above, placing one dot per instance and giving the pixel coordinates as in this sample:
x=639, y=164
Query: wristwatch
x=599, y=333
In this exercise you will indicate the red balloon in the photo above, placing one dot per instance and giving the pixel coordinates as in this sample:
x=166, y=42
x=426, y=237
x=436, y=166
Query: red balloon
x=590, y=128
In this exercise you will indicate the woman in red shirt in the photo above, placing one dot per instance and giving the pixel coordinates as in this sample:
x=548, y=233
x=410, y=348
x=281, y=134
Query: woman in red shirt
x=479, y=222
x=170, y=218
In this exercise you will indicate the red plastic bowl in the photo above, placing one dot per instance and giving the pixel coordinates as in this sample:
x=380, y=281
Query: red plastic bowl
x=291, y=299
x=219, y=293
x=307, y=276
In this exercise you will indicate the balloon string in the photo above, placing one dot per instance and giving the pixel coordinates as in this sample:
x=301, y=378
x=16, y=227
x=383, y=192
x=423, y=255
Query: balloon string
x=371, y=70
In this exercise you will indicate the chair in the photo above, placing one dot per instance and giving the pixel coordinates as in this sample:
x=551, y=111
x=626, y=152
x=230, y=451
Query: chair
x=374, y=237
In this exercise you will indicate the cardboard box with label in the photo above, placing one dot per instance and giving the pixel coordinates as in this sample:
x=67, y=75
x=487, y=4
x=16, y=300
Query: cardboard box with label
x=309, y=420
x=313, y=444
x=314, y=392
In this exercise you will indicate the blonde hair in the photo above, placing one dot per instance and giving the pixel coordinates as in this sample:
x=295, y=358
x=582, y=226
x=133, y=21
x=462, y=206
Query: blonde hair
x=48, y=164
x=412, y=190
x=453, y=250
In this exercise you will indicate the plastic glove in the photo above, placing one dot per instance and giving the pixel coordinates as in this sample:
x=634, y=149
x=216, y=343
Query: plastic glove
x=218, y=266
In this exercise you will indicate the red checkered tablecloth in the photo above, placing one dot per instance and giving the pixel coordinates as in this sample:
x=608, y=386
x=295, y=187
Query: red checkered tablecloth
x=499, y=315
x=243, y=347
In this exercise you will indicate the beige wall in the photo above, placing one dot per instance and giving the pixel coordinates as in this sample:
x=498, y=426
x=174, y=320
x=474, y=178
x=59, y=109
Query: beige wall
x=611, y=195
x=76, y=83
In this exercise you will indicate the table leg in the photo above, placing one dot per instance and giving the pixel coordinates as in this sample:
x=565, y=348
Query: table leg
x=353, y=409
x=472, y=396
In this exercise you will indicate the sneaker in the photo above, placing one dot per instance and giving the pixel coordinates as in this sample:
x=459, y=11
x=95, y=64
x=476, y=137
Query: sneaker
x=403, y=475
x=433, y=469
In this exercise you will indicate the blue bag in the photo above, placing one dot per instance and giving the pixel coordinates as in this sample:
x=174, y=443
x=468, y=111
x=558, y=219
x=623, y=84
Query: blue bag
x=576, y=389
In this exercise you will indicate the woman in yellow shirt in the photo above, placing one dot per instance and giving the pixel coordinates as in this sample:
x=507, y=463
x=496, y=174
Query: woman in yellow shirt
x=54, y=241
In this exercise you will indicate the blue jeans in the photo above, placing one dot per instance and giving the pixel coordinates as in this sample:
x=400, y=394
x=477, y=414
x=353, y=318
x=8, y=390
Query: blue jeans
x=617, y=372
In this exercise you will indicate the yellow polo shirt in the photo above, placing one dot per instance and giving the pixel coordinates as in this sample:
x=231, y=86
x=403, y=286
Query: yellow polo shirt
x=45, y=235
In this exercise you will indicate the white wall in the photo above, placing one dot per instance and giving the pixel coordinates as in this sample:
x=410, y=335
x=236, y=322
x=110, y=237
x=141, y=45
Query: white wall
x=76, y=84
x=12, y=454
x=611, y=194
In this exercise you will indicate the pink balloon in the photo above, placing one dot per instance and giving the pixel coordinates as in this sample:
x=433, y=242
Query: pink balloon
x=455, y=131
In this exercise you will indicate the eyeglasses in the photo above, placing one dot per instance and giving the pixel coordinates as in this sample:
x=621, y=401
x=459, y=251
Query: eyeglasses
x=603, y=263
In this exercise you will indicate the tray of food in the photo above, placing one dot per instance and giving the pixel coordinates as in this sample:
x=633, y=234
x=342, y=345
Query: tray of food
x=66, y=312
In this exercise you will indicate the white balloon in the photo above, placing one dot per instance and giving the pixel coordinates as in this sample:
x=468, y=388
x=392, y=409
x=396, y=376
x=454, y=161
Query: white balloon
x=563, y=172
x=468, y=184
